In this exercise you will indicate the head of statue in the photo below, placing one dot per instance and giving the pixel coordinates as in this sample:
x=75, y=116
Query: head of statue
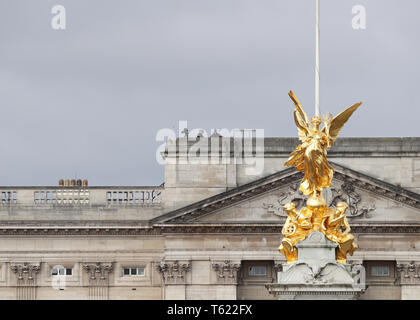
x=342, y=206
x=289, y=207
x=316, y=122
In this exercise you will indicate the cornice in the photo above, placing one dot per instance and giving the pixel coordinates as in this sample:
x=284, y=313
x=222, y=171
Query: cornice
x=199, y=228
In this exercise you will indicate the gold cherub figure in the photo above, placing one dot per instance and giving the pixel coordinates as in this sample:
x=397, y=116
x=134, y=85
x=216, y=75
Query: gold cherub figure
x=296, y=228
x=336, y=228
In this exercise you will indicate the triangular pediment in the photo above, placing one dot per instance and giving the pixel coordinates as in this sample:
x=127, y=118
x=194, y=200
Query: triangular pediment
x=370, y=200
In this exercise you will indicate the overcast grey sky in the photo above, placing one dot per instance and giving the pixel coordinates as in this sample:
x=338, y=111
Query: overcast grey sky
x=89, y=100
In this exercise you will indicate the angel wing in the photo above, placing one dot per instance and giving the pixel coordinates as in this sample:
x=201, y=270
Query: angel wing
x=301, y=119
x=333, y=126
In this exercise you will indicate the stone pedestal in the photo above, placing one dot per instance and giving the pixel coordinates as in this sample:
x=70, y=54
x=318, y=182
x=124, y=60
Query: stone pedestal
x=316, y=274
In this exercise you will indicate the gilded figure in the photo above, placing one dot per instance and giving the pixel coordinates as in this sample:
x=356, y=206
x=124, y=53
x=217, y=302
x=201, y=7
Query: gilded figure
x=336, y=228
x=310, y=157
x=297, y=226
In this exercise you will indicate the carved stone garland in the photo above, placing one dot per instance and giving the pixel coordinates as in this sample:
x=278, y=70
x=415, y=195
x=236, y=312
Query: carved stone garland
x=173, y=272
x=227, y=271
x=408, y=273
x=345, y=192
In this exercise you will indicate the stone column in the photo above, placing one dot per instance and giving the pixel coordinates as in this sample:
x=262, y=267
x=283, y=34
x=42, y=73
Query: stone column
x=26, y=279
x=174, y=278
x=98, y=278
x=408, y=277
x=226, y=277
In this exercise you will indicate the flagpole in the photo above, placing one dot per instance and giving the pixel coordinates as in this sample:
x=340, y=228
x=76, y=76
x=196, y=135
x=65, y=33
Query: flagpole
x=317, y=65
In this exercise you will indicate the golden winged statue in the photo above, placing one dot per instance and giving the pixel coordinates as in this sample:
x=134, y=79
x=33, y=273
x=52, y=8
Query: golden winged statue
x=310, y=157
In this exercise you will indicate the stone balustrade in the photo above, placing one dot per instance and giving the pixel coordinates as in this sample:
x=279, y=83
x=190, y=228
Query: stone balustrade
x=81, y=196
x=134, y=196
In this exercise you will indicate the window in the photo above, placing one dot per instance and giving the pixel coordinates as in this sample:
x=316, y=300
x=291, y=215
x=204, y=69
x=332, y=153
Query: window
x=62, y=271
x=379, y=271
x=257, y=271
x=133, y=271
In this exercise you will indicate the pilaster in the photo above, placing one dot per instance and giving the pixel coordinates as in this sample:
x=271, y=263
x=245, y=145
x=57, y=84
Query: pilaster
x=26, y=279
x=98, y=279
x=174, y=278
x=408, y=277
x=226, y=272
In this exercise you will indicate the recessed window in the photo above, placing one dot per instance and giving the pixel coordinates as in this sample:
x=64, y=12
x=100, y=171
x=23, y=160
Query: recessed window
x=257, y=271
x=379, y=271
x=133, y=271
x=62, y=271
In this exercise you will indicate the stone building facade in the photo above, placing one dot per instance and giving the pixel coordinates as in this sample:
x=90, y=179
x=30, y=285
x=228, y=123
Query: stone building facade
x=213, y=229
